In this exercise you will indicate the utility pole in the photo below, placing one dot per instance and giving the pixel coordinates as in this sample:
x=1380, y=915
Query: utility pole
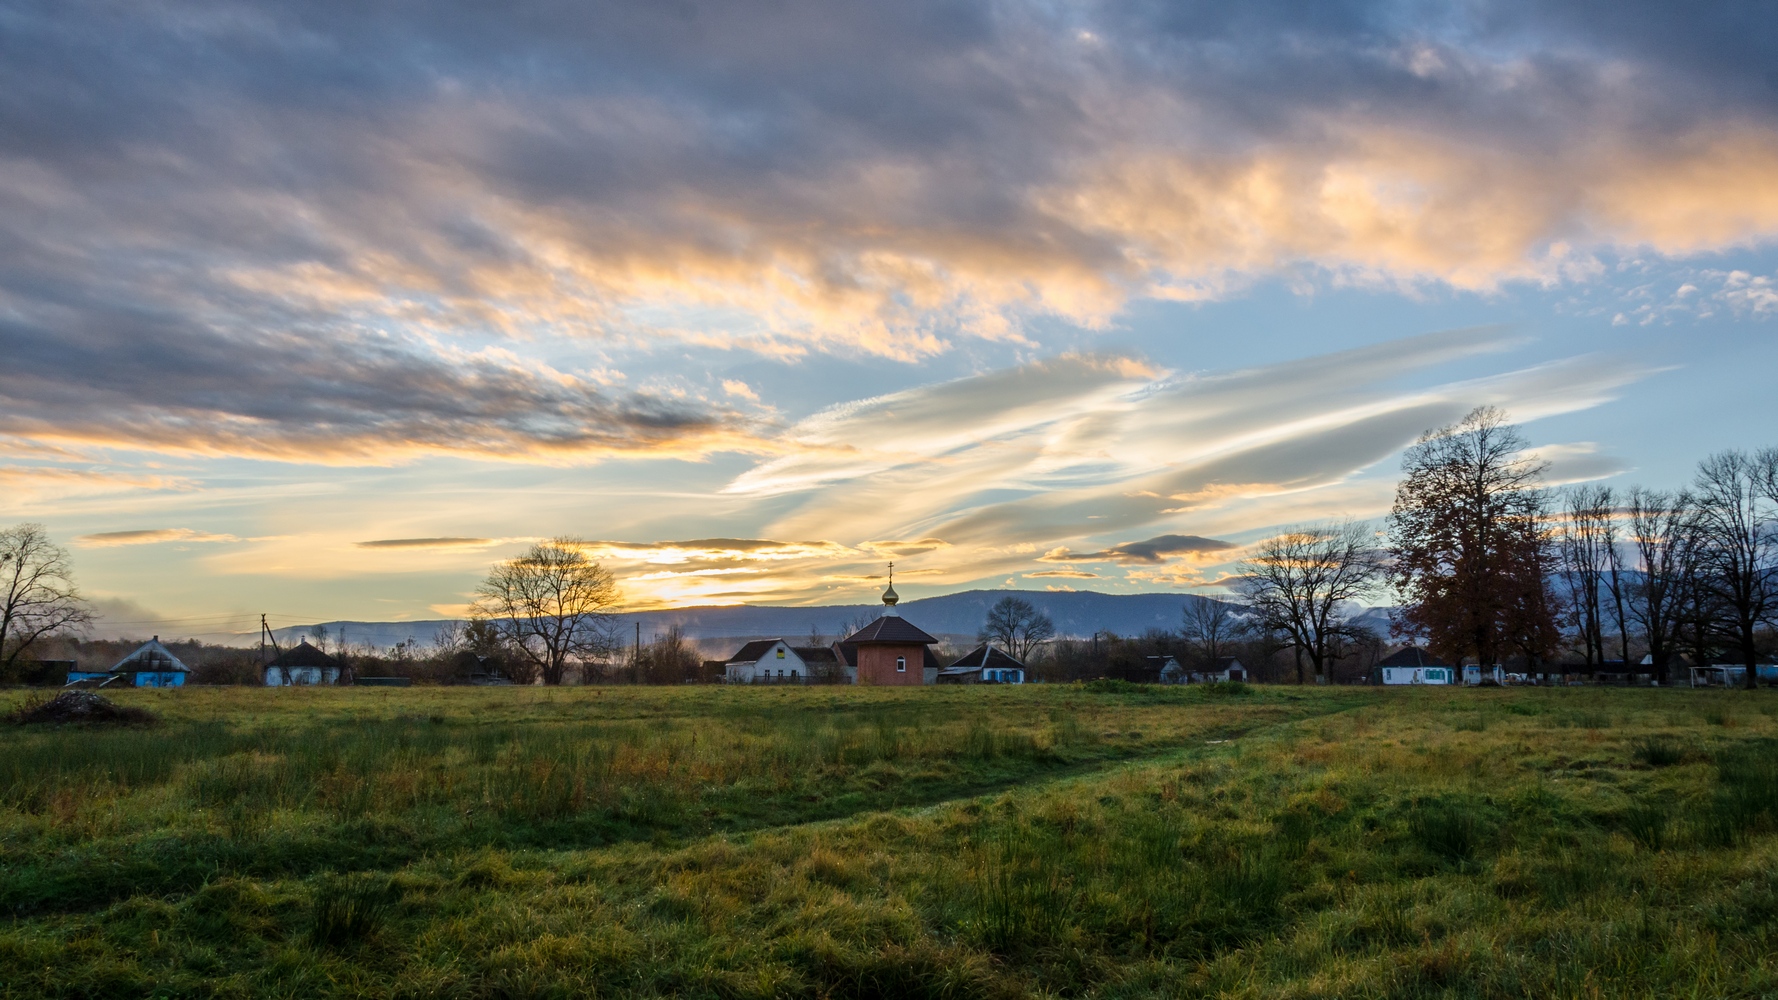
x=636, y=656
x=265, y=635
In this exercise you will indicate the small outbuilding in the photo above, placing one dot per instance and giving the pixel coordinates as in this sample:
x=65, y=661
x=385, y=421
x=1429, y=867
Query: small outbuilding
x=151, y=665
x=302, y=664
x=983, y=665
x=1414, y=665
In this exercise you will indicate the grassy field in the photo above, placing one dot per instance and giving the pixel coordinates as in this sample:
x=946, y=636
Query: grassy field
x=840, y=842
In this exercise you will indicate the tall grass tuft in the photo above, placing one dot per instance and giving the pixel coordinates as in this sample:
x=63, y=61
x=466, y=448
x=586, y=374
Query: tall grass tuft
x=1746, y=799
x=1658, y=751
x=348, y=912
x=1448, y=829
x=1647, y=823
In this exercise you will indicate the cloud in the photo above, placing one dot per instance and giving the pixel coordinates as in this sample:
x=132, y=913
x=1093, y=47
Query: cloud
x=23, y=486
x=1070, y=574
x=293, y=232
x=1154, y=550
x=141, y=381
x=426, y=543
x=151, y=536
x=735, y=387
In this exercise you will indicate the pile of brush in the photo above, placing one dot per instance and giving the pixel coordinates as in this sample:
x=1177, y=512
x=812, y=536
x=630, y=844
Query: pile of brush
x=81, y=707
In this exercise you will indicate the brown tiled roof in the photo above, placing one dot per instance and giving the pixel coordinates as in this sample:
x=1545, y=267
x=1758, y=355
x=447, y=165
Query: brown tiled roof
x=889, y=629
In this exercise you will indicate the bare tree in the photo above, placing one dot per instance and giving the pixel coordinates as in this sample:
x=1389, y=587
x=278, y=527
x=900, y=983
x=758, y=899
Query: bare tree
x=1210, y=627
x=1738, y=529
x=1663, y=530
x=1302, y=584
x=550, y=605
x=670, y=659
x=1469, y=544
x=1016, y=626
x=39, y=595
x=1586, y=546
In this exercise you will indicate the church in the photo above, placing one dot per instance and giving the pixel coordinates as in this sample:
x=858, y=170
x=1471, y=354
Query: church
x=888, y=651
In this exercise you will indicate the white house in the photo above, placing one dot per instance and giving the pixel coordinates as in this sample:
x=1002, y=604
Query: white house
x=1414, y=665
x=983, y=665
x=775, y=661
x=302, y=664
x=1226, y=668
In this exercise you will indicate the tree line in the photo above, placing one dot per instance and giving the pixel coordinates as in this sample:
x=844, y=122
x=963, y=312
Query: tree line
x=1490, y=565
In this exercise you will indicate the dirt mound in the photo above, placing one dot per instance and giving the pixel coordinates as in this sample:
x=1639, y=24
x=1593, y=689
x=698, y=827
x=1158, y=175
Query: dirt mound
x=81, y=706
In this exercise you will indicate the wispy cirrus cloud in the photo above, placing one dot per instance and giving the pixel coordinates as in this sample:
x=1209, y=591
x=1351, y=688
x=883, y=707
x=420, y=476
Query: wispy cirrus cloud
x=442, y=542
x=1011, y=471
x=152, y=536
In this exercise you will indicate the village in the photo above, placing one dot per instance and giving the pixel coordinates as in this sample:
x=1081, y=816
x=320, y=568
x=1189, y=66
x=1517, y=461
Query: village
x=888, y=651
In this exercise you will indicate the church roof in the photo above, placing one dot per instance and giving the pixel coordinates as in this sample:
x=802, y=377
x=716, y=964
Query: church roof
x=889, y=629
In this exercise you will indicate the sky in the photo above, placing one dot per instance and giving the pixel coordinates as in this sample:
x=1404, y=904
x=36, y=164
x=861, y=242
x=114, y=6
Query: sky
x=318, y=309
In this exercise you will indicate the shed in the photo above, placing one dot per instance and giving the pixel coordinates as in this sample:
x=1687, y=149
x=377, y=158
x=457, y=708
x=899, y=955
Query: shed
x=302, y=664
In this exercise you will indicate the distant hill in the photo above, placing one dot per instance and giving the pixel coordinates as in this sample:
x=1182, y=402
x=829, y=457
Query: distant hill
x=1077, y=613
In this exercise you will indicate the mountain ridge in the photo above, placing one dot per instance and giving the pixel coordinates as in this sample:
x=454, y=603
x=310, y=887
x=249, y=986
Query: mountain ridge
x=1075, y=613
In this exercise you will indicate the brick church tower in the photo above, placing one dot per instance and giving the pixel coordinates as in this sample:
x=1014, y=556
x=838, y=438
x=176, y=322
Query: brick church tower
x=891, y=650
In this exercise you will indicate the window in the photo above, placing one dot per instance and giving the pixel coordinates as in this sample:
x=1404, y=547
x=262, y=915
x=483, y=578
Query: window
x=780, y=652
x=901, y=664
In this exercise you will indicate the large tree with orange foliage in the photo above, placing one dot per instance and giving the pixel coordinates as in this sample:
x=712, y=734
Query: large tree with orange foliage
x=1470, y=544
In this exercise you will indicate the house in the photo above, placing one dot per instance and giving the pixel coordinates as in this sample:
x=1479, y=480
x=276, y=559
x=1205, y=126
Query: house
x=151, y=665
x=302, y=664
x=891, y=650
x=776, y=661
x=1414, y=665
x=983, y=665
x=1226, y=668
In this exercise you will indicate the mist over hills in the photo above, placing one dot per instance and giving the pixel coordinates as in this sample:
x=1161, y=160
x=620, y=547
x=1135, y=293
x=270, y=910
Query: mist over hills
x=1076, y=613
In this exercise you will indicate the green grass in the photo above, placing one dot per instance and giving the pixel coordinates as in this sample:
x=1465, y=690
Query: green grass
x=1108, y=840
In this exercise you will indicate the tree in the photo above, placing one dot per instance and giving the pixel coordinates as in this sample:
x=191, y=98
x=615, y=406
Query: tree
x=37, y=588
x=1016, y=626
x=670, y=659
x=1663, y=530
x=549, y=605
x=1738, y=535
x=1586, y=546
x=1210, y=627
x=1469, y=545
x=1302, y=584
